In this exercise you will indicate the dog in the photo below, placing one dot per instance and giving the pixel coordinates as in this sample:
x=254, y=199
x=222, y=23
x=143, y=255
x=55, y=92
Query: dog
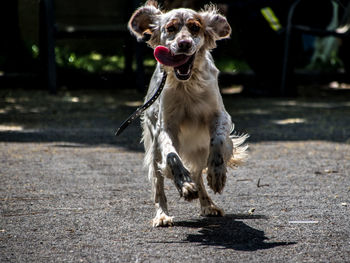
x=187, y=129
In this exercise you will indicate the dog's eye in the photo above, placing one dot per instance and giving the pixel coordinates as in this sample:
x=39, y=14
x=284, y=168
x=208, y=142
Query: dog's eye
x=171, y=29
x=194, y=28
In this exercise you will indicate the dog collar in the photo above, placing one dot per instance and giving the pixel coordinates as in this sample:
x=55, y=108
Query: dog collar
x=141, y=109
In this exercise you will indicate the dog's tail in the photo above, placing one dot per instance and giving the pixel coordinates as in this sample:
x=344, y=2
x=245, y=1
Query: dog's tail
x=239, y=153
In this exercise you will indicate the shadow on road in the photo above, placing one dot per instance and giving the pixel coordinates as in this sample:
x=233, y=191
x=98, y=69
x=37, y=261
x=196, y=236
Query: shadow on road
x=92, y=117
x=229, y=233
x=72, y=117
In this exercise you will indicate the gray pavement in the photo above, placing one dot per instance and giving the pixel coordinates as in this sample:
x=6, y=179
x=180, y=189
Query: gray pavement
x=72, y=192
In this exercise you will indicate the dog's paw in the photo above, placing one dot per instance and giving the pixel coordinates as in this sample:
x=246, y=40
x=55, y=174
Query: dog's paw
x=182, y=178
x=162, y=220
x=211, y=210
x=216, y=175
x=189, y=191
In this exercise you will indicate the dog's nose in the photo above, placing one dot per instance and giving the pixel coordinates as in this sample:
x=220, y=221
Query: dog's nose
x=185, y=44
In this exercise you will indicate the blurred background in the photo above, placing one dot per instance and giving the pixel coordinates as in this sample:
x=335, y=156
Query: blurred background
x=67, y=44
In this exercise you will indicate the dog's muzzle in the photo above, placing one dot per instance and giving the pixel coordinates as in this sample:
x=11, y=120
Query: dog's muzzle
x=181, y=63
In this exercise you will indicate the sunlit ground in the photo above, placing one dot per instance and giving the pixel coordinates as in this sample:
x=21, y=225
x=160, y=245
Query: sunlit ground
x=70, y=190
x=319, y=114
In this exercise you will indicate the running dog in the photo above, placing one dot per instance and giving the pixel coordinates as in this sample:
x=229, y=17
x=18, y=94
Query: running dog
x=186, y=130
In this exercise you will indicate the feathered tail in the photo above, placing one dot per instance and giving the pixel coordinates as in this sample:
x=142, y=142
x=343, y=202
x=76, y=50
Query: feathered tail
x=239, y=153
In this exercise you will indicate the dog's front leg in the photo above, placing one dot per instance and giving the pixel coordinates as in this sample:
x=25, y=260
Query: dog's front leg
x=162, y=218
x=173, y=167
x=220, y=151
x=208, y=207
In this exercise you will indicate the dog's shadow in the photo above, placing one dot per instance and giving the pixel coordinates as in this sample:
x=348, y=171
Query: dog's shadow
x=229, y=233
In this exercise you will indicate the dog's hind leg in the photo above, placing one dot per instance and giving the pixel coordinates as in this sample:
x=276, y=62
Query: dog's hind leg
x=208, y=208
x=173, y=167
x=220, y=151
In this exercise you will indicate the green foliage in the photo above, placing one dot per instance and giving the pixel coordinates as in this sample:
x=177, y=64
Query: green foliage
x=92, y=62
x=231, y=65
x=95, y=62
x=35, y=51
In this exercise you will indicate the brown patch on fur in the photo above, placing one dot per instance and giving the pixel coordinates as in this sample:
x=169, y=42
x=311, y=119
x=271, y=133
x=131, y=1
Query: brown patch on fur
x=152, y=3
x=140, y=21
x=199, y=19
x=147, y=34
x=194, y=25
x=173, y=23
x=145, y=25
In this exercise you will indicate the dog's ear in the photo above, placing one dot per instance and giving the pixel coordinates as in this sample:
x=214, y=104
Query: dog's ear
x=143, y=23
x=216, y=25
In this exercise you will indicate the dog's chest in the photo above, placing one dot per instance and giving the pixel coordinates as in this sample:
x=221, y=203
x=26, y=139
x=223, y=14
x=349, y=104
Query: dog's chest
x=192, y=138
x=189, y=114
x=182, y=108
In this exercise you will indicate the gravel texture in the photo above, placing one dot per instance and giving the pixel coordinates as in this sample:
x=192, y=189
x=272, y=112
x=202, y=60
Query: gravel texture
x=72, y=192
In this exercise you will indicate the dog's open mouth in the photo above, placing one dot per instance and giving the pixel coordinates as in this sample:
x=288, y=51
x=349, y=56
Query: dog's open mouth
x=182, y=63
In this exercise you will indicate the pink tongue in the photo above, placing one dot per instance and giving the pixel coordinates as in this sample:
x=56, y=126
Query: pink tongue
x=164, y=56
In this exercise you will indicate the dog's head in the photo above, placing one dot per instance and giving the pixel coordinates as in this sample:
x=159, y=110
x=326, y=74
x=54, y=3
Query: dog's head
x=178, y=35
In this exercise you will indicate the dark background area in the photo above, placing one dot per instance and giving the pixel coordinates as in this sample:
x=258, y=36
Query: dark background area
x=253, y=56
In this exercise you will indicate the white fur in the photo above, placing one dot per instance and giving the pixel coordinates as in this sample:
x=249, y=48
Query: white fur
x=189, y=120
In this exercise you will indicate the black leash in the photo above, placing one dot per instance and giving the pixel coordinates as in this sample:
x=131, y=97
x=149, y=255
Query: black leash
x=141, y=109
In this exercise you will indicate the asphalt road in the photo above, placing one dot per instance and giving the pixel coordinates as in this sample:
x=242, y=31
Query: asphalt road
x=72, y=192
